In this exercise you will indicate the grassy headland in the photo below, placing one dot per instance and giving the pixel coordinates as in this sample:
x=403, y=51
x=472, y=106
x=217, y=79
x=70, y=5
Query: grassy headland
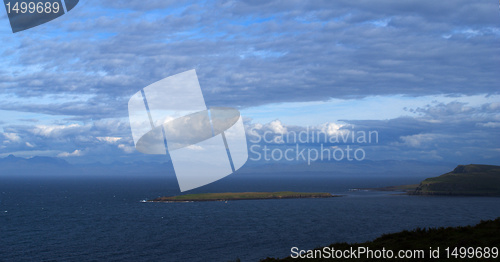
x=464, y=180
x=240, y=196
x=471, y=180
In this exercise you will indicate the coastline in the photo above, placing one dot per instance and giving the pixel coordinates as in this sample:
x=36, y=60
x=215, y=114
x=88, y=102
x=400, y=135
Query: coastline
x=230, y=196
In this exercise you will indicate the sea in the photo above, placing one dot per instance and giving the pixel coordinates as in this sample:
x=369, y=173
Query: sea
x=103, y=219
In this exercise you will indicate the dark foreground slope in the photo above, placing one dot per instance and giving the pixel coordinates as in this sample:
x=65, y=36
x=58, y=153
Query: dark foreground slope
x=484, y=234
x=472, y=180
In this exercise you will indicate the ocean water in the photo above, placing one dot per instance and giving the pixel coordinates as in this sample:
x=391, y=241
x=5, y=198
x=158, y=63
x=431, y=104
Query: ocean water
x=75, y=219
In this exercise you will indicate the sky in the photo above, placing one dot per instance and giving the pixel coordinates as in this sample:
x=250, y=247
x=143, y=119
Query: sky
x=423, y=74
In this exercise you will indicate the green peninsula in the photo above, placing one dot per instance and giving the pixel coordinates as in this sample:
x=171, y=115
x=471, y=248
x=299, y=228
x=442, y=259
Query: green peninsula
x=464, y=180
x=240, y=196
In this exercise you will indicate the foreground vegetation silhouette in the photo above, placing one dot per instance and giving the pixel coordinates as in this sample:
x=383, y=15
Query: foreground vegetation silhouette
x=484, y=234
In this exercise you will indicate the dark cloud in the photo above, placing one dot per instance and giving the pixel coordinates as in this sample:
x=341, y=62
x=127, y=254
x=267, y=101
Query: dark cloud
x=452, y=132
x=252, y=53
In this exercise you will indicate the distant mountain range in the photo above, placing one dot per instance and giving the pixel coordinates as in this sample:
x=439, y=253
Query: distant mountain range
x=387, y=168
x=38, y=165
x=12, y=165
x=17, y=162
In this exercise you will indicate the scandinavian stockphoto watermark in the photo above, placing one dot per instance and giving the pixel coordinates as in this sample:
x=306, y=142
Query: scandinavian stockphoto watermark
x=171, y=117
x=311, y=144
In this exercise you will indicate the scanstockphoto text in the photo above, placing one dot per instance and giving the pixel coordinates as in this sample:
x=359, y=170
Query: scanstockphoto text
x=310, y=145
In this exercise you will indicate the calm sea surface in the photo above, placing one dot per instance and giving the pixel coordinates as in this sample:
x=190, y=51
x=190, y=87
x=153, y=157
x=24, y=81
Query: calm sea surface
x=103, y=219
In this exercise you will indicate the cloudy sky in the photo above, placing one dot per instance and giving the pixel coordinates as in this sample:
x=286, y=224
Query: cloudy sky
x=424, y=74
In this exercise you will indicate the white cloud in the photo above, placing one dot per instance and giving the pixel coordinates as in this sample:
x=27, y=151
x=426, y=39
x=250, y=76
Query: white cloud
x=277, y=127
x=331, y=128
x=12, y=137
x=126, y=149
x=419, y=140
x=59, y=130
x=109, y=139
x=195, y=147
x=490, y=124
x=73, y=154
